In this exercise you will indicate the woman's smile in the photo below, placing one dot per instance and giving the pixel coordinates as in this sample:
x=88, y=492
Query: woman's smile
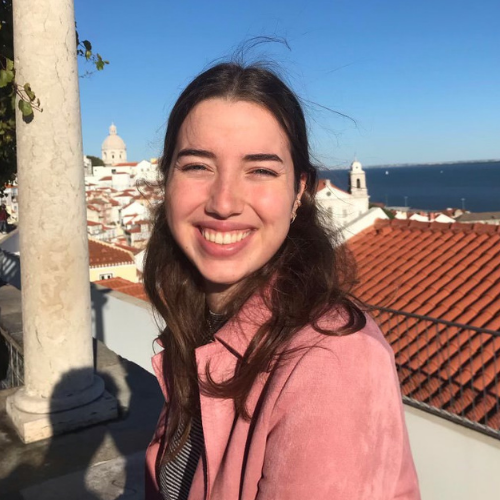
x=223, y=238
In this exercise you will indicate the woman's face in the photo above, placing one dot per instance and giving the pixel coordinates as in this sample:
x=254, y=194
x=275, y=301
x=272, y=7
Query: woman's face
x=230, y=191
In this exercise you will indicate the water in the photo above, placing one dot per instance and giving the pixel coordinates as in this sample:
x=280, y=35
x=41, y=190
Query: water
x=475, y=186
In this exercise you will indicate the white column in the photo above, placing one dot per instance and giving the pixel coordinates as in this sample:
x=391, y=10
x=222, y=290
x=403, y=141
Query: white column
x=59, y=371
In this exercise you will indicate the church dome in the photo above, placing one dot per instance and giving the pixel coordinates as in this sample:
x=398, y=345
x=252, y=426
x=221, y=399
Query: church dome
x=113, y=141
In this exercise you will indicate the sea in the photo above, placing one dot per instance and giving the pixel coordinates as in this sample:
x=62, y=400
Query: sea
x=473, y=186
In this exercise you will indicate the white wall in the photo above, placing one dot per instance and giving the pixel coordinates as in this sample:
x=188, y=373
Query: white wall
x=363, y=222
x=125, y=324
x=453, y=462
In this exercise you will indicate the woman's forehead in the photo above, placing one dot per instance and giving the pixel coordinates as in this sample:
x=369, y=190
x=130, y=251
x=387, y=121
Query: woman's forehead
x=213, y=122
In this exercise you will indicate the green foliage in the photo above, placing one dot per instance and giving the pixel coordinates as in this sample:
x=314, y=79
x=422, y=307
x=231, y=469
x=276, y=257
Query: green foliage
x=11, y=91
x=96, y=162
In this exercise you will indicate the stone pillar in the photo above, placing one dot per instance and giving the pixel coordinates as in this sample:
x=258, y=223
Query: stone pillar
x=61, y=390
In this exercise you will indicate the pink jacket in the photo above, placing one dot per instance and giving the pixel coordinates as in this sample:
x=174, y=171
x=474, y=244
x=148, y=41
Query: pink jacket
x=327, y=424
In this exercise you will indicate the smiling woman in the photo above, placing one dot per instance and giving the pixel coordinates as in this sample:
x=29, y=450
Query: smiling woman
x=276, y=383
x=230, y=193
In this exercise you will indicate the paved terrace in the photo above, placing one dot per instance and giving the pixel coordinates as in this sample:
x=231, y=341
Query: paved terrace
x=105, y=461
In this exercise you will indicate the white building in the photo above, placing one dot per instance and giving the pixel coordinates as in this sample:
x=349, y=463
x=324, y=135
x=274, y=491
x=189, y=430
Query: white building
x=342, y=207
x=113, y=148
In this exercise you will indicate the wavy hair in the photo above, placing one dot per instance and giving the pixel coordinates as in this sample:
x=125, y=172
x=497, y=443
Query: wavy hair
x=311, y=273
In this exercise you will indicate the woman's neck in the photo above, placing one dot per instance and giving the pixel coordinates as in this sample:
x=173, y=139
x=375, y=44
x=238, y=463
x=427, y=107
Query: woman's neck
x=217, y=296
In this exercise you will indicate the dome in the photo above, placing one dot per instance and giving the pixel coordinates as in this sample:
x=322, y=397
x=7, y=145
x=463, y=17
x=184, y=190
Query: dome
x=113, y=141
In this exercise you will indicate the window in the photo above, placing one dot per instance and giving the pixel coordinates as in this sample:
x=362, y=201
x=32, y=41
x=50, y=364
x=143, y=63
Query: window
x=358, y=183
x=105, y=276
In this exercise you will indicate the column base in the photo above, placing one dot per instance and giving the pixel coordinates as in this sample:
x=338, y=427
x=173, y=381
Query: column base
x=37, y=426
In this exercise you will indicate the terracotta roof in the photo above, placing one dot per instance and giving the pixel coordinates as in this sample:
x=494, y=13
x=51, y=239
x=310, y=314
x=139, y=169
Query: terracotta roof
x=125, y=286
x=114, y=203
x=322, y=184
x=99, y=201
x=129, y=164
x=104, y=254
x=449, y=272
x=92, y=223
x=106, y=178
x=134, y=250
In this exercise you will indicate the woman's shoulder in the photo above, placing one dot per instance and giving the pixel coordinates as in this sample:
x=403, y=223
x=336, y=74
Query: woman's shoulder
x=327, y=334
x=363, y=358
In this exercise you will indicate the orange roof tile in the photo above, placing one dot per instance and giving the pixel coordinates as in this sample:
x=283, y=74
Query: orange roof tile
x=129, y=164
x=125, y=286
x=104, y=254
x=134, y=250
x=450, y=272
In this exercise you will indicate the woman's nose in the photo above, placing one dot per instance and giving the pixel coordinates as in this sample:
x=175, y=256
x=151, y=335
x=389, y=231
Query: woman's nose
x=225, y=197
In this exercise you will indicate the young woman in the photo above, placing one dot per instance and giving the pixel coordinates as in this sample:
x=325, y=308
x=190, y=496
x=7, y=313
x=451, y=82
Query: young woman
x=277, y=385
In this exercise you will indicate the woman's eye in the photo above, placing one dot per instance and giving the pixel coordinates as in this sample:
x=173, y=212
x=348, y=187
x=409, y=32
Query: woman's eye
x=193, y=168
x=264, y=172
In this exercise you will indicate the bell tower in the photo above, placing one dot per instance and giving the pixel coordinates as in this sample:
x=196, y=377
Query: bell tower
x=357, y=179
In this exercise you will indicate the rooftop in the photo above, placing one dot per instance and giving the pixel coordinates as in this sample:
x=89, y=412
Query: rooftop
x=440, y=284
x=324, y=183
x=104, y=254
x=125, y=286
x=478, y=216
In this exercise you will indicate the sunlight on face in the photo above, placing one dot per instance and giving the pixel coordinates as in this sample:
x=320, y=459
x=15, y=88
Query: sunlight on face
x=230, y=192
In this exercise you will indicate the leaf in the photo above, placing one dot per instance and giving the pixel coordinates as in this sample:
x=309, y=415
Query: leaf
x=99, y=64
x=9, y=64
x=87, y=45
x=29, y=92
x=6, y=77
x=3, y=79
x=25, y=107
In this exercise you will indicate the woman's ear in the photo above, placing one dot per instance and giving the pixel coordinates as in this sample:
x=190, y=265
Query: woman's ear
x=302, y=186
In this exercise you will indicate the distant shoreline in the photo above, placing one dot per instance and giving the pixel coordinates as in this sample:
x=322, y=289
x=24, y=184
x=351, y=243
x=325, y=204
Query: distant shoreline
x=396, y=165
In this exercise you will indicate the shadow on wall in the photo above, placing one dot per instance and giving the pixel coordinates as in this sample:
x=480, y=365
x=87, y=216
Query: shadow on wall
x=98, y=299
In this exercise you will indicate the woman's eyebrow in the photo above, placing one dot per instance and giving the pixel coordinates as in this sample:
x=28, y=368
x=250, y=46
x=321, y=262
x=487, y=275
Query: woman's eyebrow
x=263, y=157
x=195, y=152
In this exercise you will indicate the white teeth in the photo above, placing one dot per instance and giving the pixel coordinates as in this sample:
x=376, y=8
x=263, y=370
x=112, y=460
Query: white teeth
x=224, y=238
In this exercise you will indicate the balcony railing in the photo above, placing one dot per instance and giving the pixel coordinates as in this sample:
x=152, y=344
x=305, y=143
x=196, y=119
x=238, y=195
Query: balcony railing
x=446, y=368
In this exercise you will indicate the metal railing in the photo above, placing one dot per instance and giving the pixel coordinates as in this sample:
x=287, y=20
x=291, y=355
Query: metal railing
x=14, y=370
x=446, y=368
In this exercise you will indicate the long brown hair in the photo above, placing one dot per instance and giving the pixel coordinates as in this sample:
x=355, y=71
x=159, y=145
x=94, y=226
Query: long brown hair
x=311, y=273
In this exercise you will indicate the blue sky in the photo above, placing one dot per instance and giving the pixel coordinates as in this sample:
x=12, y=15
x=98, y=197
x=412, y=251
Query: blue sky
x=420, y=79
